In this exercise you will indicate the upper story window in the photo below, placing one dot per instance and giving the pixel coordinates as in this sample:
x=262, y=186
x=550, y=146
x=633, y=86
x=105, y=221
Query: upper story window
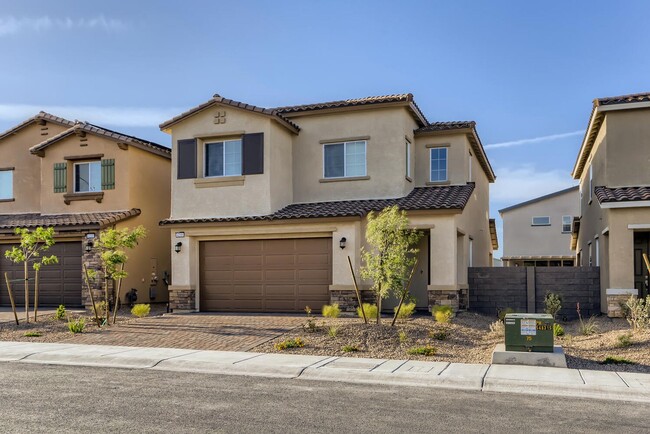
x=88, y=177
x=344, y=160
x=469, y=177
x=438, y=165
x=408, y=159
x=541, y=221
x=6, y=184
x=566, y=224
x=591, y=179
x=223, y=158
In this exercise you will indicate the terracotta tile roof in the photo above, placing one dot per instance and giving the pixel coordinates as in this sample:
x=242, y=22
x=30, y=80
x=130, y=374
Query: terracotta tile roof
x=105, y=132
x=93, y=219
x=41, y=116
x=622, y=194
x=445, y=126
x=420, y=198
x=623, y=99
x=218, y=99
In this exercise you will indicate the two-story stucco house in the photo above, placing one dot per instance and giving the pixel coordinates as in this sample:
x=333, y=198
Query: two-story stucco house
x=80, y=178
x=537, y=233
x=267, y=204
x=613, y=165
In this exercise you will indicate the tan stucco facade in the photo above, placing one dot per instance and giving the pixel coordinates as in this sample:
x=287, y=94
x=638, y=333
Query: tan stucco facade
x=294, y=173
x=619, y=157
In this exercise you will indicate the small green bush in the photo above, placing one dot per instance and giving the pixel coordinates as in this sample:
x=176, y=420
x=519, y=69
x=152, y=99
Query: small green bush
x=439, y=335
x=402, y=336
x=332, y=331
x=310, y=325
x=588, y=327
x=331, y=310
x=427, y=350
x=442, y=314
x=32, y=334
x=558, y=330
x=625, y=340
x=289, y=343
x=503, y=312
x=141, y=310
x=637, y=313
x=76, y=326
x=498, y=328
x=349, y=348
x=369, y=309
x=615, y=360
x=553, y=303
x=60, y=312
x=406, y=311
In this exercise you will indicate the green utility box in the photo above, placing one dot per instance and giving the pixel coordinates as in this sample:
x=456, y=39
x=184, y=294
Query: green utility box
x=532, y=332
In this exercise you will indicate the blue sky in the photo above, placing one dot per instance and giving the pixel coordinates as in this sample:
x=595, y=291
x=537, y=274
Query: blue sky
x=525, y=71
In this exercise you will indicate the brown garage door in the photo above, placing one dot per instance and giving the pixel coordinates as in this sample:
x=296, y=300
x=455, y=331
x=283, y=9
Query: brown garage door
x=58, y=283
x=265, y=275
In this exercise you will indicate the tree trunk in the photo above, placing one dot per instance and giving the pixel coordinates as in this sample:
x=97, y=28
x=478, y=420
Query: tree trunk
x=11, y=298
x=379, y=305
x=35, y=295
x=26, y=292
x=404, y=293
x=356, y=289
x=90, y=294
x=117, y=294
x=106, y=297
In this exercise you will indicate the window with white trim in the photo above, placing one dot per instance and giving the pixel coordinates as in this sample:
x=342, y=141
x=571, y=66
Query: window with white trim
x=470, y=167
x=597, y=252
x=438, y=164
x=566, y=224
x=541, y=221
x=88, y=177
x=591, y=179
x=6, y=184
x=408, y=159
x=344, y=160
x=223, y=158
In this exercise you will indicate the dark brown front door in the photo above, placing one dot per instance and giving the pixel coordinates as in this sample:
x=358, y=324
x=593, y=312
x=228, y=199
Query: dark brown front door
x=58, y=283
x=641, y=246
x=265, y=275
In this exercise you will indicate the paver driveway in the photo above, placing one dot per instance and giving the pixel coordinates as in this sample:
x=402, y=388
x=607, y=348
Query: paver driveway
x=199, y=331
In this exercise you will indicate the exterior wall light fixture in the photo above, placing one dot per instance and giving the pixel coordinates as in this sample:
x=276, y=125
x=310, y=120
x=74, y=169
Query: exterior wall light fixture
x=177, y=247
x=342, y=243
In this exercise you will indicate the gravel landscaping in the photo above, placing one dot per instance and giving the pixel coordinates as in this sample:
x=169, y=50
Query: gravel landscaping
x=466, y=340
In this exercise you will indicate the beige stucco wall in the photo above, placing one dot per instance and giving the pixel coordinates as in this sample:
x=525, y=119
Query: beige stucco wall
x=628, y=133
x=457, y=158
x=14, y=152
x=520, y=238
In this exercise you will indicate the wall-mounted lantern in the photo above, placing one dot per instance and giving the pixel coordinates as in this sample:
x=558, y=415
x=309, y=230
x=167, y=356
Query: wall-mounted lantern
x=342, y=243
x=89, y=246
x=177, y=247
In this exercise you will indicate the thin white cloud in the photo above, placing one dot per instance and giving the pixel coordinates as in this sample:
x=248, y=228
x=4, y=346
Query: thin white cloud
x=10, y=25
x=114, y=116
x=533, y=140
x=524, y=183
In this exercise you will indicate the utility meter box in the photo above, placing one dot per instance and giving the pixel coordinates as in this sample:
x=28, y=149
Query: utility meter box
x=532, y=332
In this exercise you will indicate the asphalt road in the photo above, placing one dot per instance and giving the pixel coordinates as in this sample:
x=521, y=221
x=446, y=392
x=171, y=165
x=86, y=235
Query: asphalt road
x=41, y=398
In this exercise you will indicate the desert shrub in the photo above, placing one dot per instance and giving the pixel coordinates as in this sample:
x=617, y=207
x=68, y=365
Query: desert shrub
x=403, y=336
x=332, y=331
x=331, y=310
x=637, y=313
x=76, y=326
x=498, y=328
x=406, y=311
x=439, y=335
x=33, y=334
x=501, y=314
x=442, y=314
x=141, y=310
x=588, y=327
x=310, y=325
x=100, y=306
x=349, y=348
x=60, y=312
x=426, y=350
x=615, y=360
x=289, y=343
x=558, y=330
x=552, y=303
x=625, y=340
x=369, y=309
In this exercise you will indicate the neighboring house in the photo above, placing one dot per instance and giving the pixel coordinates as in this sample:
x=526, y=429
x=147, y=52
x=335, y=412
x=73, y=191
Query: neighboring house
x=267, y=204
x=613, y=165
x=537, y=233
x=80, y=178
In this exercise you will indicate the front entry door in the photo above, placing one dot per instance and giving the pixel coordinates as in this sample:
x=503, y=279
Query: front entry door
x=641, y=246
x=420, y=280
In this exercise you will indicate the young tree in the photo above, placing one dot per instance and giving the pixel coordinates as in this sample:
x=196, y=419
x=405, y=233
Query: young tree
x=391, y=256
x=112, y=245
x=32, y=245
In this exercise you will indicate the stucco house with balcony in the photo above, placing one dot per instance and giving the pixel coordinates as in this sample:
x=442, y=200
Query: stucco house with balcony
x=537, y=232
x=268, y=203
x=80, y=178
x=613, y=231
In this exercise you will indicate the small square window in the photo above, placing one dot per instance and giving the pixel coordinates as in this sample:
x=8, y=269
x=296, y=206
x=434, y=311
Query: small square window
x=88, y=177
x=6, y=184
x=541, y=221
x=223, y=158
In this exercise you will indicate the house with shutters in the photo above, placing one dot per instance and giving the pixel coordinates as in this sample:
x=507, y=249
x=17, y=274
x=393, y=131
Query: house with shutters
x=80, y=179
x=268, y=204
x=613, y=230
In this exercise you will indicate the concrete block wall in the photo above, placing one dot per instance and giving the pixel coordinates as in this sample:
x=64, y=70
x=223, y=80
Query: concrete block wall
x=495, y=288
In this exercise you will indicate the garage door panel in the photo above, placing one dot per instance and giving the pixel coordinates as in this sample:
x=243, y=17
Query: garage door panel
x=291, y=273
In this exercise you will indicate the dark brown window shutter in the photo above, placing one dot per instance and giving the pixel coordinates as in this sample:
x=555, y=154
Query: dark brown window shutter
x=253, y=154
x=186, y=156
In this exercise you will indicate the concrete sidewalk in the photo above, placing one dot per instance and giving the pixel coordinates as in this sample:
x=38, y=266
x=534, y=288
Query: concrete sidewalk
x=492, y=378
